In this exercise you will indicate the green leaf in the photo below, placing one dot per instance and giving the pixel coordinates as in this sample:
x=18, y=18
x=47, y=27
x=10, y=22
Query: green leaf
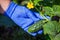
x=36, y=26
x=52, y=37
x=57, y=37
x=56, y=9
x=24, y=2
x=15, y=1
x=50, y=27
x=36, y=2
x=58, y=28
x=48, y=11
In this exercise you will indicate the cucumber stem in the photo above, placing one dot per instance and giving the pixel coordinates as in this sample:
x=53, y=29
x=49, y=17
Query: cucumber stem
x=41, y=14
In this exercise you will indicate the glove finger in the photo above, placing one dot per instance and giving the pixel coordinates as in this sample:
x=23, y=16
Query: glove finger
x=48, y=17
x=40, y=31
x=41, y=17
x=38, y=15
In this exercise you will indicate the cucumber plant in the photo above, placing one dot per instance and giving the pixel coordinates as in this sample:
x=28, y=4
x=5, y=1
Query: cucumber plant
x=51, y=26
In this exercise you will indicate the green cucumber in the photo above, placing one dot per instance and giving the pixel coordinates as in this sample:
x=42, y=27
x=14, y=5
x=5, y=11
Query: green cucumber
x=36, y=26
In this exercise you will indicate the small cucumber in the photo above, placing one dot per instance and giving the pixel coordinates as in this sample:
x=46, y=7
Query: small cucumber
x=36, y=26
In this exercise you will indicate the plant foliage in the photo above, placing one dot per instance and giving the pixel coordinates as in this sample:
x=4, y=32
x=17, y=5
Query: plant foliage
x=49, y=8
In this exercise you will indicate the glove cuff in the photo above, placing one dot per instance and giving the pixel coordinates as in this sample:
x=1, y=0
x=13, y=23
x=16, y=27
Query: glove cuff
x=10, y=9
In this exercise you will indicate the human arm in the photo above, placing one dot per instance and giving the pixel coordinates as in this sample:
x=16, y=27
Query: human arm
x=23, y=17
x=4, y=5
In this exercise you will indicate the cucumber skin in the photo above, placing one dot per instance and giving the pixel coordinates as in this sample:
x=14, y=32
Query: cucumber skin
x=36, y=26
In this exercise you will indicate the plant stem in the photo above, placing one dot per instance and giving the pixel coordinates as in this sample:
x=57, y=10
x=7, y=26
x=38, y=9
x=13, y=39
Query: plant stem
x=30, y=0
x=41, y=14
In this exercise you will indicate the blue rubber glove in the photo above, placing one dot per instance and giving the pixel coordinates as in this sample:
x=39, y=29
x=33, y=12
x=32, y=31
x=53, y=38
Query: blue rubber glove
x=23, y=17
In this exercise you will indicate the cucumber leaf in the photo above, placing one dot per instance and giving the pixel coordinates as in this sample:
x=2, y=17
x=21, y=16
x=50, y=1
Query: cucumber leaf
x=57, y=37
x=48, y=11
x=36, y=2
x=50, y=27
x=56, y=9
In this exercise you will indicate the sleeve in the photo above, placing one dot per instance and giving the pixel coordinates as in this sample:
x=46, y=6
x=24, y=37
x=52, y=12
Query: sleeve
x=22, y=16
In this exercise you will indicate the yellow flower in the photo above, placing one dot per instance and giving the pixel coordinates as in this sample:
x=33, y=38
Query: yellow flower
x=30, y=5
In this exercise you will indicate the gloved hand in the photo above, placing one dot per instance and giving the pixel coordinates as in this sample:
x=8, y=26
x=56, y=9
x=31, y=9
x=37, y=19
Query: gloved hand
x=23, y=17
